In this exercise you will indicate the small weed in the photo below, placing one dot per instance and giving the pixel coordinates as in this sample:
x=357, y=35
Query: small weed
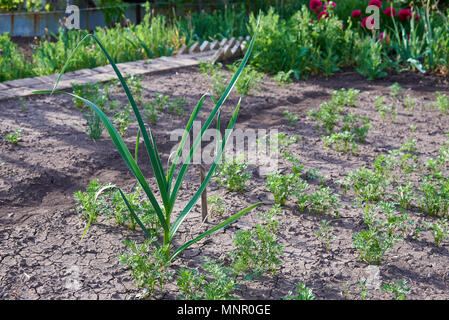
x=363, y=289
x=257, y=250
x=232, y=174
x=439, y=229
x=216, y=285
x=283, y=78
x=325, y=233
x=216, y=206
x=282, y=186
x=323, y=201
x=396, y=90
x=372, y=244
x=442, y=102
x=292, y=118
x=400, y=289
x=13, y=137
x=176, y=106
x=410, y=103
x=302, y=293
x=149, y=266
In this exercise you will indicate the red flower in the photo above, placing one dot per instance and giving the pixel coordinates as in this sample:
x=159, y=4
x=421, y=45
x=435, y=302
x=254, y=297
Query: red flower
x=1, y=52
x=314, y=5
x=416, y=17
x=376, y=3
x=367, y=23
x=390, y=12
x=404, y=15
x=323, y=13
x=356, y=14
x=330, y=3
x=384, y=37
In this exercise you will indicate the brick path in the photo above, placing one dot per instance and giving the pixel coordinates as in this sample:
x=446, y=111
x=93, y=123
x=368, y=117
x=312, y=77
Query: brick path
x=186, y=57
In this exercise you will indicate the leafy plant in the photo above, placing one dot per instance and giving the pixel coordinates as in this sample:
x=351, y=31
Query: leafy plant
x=149, y=266
x=218, y=286
x=292, y=118
x=370, y=61
x=257, y=250
x=303, y=293
x=342, y=141
x=249, y=80
x=325, y=233
x=323, y=201
x=283, y=78
x=216, y=205
x=168, y=187
x=439, y=229
x=434, y=198
x=396, y=90
x=372, y=244
x=176, y=106
x=232, y=174
x=13, y=137
x=442, y=102
x=90, y=203
x=399, y=289
x=282, y=186
x=363, y=289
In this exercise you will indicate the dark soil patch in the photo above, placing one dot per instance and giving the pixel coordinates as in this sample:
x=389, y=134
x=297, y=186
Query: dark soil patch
x=41, y=256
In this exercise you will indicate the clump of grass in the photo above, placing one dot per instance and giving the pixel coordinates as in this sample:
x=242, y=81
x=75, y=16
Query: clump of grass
x=302, y=293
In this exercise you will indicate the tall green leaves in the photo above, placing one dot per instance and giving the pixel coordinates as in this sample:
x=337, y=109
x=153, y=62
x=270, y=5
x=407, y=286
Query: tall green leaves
x=168, y=184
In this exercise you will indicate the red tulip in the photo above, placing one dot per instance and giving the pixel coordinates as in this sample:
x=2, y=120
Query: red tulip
x=376, y=3
x=356, y=14
x=390, y=12
x=323, y=13
x=1, y=52
x=416, y=17
x=314, y=5
x=367, y=23
x=404, y=15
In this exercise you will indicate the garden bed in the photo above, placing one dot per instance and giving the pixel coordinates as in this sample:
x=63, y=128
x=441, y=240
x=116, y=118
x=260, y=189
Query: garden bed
x=42, y=257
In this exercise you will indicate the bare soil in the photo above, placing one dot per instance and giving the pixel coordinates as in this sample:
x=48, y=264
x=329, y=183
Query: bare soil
x=42, y=257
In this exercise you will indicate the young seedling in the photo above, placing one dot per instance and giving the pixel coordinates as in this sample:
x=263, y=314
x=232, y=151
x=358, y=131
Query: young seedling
x=232, y=174
x=149, y=266
x=442, y=102
x=13, y=137
x=302, y=293
x=123, y=119
x=176, y=106
x=283, y=78
x=363, y=288
x=323, y=201
x=218, y=284
x=250, y=79
x=292, y=118
x=372, y=244
x=257, y=251
x=90, y=203
x=410, y=103
x=282, y=186
x=396, y=90
x=23, y=104
x=325, y=233
x=400, y=289
x=439, y=229
x=216, y=206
